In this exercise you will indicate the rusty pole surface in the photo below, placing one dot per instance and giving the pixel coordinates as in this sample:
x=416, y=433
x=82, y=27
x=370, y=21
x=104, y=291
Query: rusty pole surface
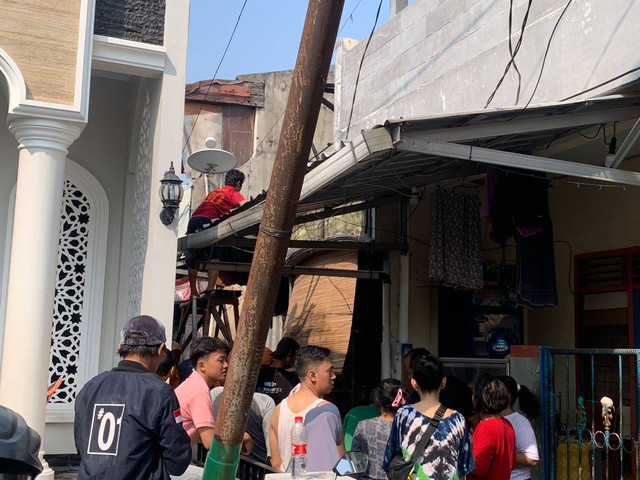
x=301, y=115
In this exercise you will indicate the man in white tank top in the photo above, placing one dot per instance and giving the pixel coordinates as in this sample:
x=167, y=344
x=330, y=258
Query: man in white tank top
x=325, y=439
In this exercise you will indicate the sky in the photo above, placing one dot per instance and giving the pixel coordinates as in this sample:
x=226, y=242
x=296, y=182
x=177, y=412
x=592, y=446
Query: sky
x=267, y=37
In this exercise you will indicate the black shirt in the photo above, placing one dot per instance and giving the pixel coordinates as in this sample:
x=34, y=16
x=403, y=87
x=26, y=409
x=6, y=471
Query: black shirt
x=276, y=382
x=128, y=426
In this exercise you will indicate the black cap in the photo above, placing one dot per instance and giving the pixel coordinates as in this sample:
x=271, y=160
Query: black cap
x=286, y=345
x=150, y=330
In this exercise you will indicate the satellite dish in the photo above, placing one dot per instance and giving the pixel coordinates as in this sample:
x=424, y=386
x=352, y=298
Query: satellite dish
x=212, y=160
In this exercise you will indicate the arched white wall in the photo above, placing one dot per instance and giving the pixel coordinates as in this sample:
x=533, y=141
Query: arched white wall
x=90, y=326
x=17, y=90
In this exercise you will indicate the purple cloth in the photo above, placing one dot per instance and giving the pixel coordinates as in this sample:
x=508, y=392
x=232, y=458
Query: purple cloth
x=324, y=430
x=489, y=193
x=528, y=231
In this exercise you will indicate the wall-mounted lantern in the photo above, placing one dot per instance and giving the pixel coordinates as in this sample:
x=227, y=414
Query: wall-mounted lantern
x=170, y=194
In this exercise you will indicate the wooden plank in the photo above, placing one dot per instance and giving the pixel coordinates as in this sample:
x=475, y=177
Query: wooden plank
x=237, y=131
x=226, y=92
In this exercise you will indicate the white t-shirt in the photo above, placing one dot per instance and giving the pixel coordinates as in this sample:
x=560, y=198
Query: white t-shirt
x=525, y=443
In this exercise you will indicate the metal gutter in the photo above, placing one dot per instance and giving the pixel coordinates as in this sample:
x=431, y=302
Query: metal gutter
x=340, y=164
x=478, y=125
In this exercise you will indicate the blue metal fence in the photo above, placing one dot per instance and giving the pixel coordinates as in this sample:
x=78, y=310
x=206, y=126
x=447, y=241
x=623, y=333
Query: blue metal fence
x=578, y=419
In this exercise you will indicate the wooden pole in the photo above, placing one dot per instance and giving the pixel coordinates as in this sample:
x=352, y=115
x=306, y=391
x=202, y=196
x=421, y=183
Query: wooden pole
x=301, y=115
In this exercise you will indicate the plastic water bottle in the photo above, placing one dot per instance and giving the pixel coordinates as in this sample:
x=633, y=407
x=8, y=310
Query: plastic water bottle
x=298, y=450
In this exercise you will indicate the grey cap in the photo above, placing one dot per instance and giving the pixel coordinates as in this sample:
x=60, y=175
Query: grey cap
x=19, y=446
x=151, y=331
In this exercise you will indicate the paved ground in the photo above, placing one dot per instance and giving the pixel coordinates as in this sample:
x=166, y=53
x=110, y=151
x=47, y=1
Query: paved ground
x=64, y=466
x=66, y=475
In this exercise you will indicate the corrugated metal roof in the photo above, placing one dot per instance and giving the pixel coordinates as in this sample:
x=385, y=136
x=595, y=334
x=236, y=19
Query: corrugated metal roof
x=378, y=161
x=226, y=92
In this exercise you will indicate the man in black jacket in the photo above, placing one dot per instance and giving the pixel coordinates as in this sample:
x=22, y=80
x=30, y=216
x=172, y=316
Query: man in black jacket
x=127, y=420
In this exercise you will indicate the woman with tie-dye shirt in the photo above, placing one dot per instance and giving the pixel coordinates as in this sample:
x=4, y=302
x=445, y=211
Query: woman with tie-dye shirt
x=449, y=454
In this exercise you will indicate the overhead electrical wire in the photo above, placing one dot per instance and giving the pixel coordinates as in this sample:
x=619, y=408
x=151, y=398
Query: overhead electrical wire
x=350, y=17
x=628, y=72
x=357, y=79
x=595, y=134
x=513, y=52
x=544, y=60
x=224, y=54
x=355, y=88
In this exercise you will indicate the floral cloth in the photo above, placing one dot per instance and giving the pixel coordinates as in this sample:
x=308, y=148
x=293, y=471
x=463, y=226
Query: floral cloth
x=449, y=454
x=456, y=256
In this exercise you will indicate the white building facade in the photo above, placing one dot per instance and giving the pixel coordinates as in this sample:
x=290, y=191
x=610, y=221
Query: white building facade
x=93, y=99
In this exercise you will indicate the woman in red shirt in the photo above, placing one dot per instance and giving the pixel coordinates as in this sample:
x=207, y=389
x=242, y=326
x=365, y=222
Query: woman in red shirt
x=494, y=440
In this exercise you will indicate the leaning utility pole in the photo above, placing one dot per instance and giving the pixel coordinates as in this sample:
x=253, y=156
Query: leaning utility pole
x=301, y=116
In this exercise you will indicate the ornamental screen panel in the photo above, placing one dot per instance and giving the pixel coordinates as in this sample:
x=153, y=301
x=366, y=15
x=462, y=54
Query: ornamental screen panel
x=71, y=280
x=79, y=288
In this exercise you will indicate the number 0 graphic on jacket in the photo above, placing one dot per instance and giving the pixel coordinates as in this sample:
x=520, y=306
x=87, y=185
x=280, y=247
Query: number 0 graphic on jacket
x=104, y=436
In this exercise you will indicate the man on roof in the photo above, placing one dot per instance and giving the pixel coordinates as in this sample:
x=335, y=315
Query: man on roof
x=215, y=205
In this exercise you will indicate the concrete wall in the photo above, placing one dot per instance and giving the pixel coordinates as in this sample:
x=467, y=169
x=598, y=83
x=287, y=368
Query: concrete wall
x=590, y=219
x=268, y=124
x=446, y=56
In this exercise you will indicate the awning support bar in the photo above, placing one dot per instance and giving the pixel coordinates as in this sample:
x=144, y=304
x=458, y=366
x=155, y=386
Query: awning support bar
x=629, y=142
x=301, y=270
x=519, y=160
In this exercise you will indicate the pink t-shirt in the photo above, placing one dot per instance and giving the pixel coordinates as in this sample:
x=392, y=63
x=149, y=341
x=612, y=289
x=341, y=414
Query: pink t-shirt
x=195, y=405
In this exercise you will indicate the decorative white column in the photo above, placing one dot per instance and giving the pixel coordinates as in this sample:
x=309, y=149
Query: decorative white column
x=24, y=375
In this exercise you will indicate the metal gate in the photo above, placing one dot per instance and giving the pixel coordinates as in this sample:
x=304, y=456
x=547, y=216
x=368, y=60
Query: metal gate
x=590, y=413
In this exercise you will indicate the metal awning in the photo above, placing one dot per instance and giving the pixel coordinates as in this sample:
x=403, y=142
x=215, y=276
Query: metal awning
x=385, y=162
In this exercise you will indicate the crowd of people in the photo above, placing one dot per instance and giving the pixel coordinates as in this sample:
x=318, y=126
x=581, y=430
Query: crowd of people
x=142, y=418
x=490, y=440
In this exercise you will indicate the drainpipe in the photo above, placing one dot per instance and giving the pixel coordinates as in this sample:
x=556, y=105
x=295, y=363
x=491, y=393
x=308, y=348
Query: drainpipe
x=385, y=366
x=403, y=321
x=403, y=324
x=300, y=119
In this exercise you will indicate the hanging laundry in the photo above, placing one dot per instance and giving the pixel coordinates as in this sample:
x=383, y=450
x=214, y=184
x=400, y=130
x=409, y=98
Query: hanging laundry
x=517, y=204
x=456, y=256
x=536, y=270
